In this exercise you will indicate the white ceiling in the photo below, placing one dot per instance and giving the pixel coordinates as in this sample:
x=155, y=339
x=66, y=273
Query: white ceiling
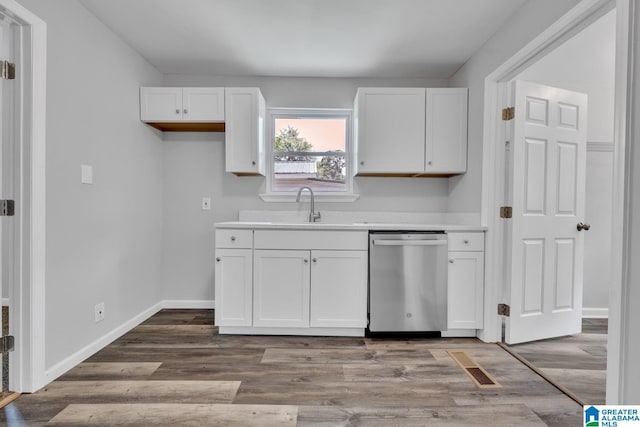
x=319, y=38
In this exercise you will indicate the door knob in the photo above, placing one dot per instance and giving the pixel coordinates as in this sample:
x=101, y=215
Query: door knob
x=582, y=226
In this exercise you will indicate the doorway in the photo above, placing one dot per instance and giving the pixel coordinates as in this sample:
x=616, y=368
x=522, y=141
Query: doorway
x=580, y=17
x=585, y=63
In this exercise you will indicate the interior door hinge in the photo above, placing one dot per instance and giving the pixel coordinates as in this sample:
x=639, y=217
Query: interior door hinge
x=7, y=208
x=504, y=310
x=7, y=70
x=7, y=343
x=508, y=113
x=506, y=211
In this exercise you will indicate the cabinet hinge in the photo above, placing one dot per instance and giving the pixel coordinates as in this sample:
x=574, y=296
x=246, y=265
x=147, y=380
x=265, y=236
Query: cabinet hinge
x=7, y=343
x=7, y=70
x=504, y=310
x=7, y=208
x=508, y=113
x=506, y=211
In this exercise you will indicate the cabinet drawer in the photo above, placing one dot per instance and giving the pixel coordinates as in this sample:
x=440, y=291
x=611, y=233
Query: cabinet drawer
x=466, y=241
x=234, y=238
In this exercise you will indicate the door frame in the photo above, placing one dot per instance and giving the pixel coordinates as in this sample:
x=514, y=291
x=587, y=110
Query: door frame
x=493, y=167
x=28, y=289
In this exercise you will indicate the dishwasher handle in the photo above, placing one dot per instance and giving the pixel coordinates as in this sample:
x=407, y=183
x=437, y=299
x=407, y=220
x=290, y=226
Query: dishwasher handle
x=434, y=242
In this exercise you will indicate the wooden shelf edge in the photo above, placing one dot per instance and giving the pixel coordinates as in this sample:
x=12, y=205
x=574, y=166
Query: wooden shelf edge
x=187, y=126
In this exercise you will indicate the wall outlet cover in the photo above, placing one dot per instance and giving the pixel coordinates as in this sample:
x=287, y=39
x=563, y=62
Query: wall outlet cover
x=206, y=203
x=99, y=312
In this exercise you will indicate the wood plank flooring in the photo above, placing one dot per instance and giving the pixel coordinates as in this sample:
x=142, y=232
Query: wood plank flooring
x=577, y=362
x=175, y=369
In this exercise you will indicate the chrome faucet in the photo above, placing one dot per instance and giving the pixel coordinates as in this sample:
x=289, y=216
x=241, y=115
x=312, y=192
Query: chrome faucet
x=313, y=215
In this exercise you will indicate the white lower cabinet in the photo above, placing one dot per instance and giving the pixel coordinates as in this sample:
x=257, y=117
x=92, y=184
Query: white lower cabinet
x=318, y=288
x=465, y=309
x=281, y=288
x=338, y=289
x=234, y=287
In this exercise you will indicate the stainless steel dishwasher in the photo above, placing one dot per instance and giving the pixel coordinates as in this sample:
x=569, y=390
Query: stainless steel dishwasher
x=407, y=281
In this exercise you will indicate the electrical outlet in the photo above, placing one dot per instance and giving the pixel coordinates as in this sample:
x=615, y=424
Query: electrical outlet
x=206, y=203
x=99, y=311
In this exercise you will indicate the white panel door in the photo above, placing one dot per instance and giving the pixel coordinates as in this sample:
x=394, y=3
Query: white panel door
x=548, y=199
x=203, y=104
x=339, y=289
x=390, y=126
x=281, y=288
x=234, y=287
x=160, y=104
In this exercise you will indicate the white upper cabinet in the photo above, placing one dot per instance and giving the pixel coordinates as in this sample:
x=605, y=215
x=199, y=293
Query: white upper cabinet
x=244, y=138
x=446, y=131
x=410, y=131
x=389, y=131
x=175, y=104
x=203, y=104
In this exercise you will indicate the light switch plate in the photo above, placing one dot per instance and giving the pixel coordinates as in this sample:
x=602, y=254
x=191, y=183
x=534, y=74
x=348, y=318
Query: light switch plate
x=206, y=203
x=86, y=174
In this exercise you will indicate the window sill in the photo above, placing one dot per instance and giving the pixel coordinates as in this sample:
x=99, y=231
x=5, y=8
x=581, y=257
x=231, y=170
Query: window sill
x=324, y=197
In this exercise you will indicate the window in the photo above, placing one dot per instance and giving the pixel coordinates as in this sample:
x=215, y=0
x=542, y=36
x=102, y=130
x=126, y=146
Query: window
x=310, y=148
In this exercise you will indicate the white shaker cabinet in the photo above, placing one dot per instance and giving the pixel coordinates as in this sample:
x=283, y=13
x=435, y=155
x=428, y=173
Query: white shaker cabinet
x=389, y=131
x=446, y=131
x=244, y=131
x=175, y=104
x=281, y=288
x=338, y=289
x=466, y=281
x=410, y=131
x=234, y=287
x=234, y=277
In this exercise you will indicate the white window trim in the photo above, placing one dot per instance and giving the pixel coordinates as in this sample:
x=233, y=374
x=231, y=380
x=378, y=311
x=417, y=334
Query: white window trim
x=326, y=196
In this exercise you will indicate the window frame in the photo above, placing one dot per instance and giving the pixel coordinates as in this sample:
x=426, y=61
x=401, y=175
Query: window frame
x=308, y=113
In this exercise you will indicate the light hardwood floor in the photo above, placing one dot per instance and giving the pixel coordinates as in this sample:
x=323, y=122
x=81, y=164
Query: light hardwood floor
x=174, y=369
x=576, y=362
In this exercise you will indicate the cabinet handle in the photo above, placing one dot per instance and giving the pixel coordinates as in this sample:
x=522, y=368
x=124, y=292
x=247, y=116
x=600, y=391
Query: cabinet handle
x=306, y=261
x=450, y=261
x=185, y=111
x=233, y=238
x=177, y=111
x=429, y=162
x=362, y=163
x=253, y=163
x=218, y=259
x=466, y=242
x=315, y=260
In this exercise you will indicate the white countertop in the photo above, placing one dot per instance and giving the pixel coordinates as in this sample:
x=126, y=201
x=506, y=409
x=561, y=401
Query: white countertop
x=259, y=225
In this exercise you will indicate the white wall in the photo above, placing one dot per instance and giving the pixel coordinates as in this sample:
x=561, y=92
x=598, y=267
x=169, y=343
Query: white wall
x=586, y=63
x=529, y=21
x=194, y=167
x=104, y=241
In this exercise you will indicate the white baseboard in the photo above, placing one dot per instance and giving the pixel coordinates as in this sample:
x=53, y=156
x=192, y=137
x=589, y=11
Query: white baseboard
x=186, y=303
x=77, y=357
x=5, y=302
x=595, y=313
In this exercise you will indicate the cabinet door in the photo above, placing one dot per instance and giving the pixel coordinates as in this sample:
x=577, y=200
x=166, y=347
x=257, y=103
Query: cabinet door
x=339, y=289
x=390, y=131
x=203, y=104
x=234, y=285
x=446, y=131
x=160, y=104
x=244, y=131
x=466, y=290
x=281, y=288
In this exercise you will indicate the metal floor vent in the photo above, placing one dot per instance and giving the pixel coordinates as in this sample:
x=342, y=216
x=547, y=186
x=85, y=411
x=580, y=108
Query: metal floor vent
x=480, y=377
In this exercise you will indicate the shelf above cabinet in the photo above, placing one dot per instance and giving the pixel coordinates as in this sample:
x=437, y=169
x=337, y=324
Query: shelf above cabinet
x=187, y=126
